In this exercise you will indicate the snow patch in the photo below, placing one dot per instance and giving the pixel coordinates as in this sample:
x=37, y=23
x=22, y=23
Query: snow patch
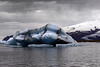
x=85, y=26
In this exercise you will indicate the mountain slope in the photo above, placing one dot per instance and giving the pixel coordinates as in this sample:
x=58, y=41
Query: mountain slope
x=87, y=31
x=85, y=26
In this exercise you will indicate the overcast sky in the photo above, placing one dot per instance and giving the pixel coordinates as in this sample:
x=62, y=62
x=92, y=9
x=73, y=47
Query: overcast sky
x=35, y=13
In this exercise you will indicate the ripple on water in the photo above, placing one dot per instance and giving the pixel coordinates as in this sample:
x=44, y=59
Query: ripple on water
x=87, y=55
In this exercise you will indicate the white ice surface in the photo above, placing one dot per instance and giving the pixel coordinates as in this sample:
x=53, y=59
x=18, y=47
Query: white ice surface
x=47, y=35
x=2, y=42
x=85, y=26
x=11, y=41
x=20, y=37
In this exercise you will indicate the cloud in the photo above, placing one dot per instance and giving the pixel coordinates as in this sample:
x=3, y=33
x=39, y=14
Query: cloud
x=75, y=3
x=61, y=12
x=28, y=5
x=20, y=14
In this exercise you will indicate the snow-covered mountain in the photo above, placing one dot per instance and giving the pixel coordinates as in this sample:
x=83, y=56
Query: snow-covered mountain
x=85, y=26
x=86, y=31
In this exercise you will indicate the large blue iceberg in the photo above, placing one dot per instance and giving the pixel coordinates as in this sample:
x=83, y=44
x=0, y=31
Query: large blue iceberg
x=49, y=34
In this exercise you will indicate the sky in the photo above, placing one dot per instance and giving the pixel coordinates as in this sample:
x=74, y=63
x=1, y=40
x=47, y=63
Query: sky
x=20, y=14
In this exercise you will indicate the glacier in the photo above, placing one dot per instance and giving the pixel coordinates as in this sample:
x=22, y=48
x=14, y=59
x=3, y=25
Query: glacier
x=84, y=26
x=85, y=32
x=48, y=34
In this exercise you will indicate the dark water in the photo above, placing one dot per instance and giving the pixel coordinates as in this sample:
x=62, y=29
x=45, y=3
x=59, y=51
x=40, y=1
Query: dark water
x=87, y=55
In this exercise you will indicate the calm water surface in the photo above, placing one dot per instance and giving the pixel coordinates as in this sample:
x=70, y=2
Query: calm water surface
x=87, y=55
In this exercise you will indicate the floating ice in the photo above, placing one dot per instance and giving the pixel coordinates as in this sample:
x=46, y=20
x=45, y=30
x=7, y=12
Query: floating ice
x=49, y=34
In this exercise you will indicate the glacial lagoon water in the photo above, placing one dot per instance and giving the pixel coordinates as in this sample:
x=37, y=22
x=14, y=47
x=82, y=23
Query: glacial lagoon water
x=86, y=55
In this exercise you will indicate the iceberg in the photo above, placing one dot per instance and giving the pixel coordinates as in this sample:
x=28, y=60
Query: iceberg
x=48, y=34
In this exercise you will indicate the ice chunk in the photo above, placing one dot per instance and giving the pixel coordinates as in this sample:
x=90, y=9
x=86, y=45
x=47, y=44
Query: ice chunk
x=49, y=37
x=49, y=34
x=11, y=41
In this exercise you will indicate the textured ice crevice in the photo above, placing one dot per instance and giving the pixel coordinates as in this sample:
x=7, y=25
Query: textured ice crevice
x=48, y=34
